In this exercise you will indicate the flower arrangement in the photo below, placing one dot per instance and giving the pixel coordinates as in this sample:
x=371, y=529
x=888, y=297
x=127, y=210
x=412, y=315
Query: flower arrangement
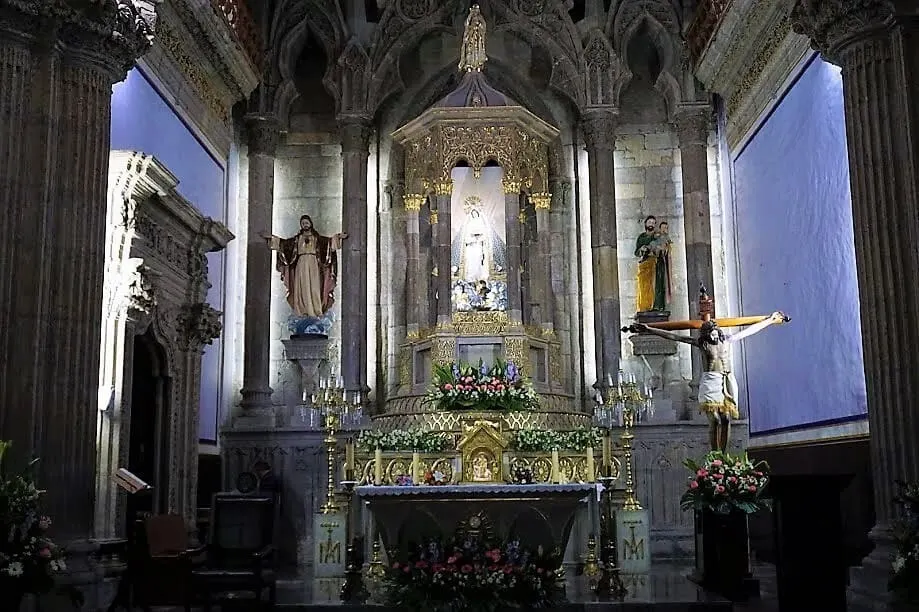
x=905, y=579
x=476, y=576
x=464, y=387
x=28, y=558
x=723, y=483
x=414, y=440
x=546, y=440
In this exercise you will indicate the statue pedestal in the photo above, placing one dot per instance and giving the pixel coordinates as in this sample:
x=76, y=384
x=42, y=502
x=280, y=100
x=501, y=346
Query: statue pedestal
x=633, y=537
x=309, y=353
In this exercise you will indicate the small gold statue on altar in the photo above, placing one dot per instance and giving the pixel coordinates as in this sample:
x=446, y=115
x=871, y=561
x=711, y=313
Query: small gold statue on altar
x=482, y=447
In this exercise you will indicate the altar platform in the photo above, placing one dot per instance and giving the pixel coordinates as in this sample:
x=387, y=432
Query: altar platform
x=665, y=588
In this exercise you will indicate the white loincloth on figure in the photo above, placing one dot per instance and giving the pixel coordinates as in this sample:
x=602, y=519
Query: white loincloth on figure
x=714, y=394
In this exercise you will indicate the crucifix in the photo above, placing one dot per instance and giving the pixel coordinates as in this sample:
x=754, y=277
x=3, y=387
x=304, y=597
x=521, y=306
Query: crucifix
x=717, y=386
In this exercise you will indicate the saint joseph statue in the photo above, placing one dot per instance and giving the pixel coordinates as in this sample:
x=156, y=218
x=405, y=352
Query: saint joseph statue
x=308, y=263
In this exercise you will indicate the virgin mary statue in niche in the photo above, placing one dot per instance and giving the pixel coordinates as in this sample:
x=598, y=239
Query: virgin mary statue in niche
x=478, y=258
x=308, y=264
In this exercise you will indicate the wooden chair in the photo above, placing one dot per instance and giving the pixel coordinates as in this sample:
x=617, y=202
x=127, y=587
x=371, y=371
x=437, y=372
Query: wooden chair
x=240, y=553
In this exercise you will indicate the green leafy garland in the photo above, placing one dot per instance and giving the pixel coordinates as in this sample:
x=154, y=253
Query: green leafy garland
x=547, y=440
x=414, y=440
x=461, y=386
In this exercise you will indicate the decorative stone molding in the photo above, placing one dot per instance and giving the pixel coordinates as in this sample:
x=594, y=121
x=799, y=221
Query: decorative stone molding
x=355, y=133
x=605, y=74
x=199, y=325
x=692, y=125
x=155, y=283
x=751, y=54
x=262, y=134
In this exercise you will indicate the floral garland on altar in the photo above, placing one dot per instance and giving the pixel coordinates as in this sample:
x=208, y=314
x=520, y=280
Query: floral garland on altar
x=547, y=440
x=458, y=386
x=414, y=440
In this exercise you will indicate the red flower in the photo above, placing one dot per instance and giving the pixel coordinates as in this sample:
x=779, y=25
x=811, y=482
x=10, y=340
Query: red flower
x=448, y=387
x=395, y=565
x=452, y=559
x=421, y=564
x=466, y=568
x=406, y=569
x=508, y=569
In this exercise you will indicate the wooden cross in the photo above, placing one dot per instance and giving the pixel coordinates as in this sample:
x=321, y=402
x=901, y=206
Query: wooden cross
x=706, y=310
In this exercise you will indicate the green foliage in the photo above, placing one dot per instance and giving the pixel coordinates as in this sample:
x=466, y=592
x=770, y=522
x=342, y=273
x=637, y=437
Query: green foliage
x=414, y=440
x=905, y=579
x=460, y=386
x=547, y=440
x=723, y=483
x=470, y=575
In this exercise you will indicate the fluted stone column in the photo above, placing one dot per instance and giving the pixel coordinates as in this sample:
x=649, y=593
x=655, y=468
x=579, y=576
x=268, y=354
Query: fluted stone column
x=877, y=48
x=692, y=127
x=57, y=67
x=599, y=128
x=262, y=136
x=443, y=254
x=542, y=203
x=413, y=284
x=355, y=141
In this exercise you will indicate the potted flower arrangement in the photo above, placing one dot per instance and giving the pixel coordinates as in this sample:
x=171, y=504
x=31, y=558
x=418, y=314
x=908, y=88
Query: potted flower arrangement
x=464, y=387
x=473, y=575
x=28, y=558
x=905, y=579
x=722, y=491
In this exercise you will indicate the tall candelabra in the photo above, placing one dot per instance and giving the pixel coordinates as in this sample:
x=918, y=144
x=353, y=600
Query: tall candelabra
x=625, y=404
x=333, y=401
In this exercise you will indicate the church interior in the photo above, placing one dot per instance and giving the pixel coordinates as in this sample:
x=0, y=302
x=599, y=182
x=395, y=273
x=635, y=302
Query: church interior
x=414, y=302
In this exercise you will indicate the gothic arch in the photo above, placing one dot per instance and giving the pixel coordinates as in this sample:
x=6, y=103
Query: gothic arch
x=638, y=15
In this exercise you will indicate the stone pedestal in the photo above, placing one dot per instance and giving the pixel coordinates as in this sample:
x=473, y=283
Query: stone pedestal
x=633, y=541
x=309, y=354
x=877, y=46
x=600, y=136
x=262, y=134
x=330, y=533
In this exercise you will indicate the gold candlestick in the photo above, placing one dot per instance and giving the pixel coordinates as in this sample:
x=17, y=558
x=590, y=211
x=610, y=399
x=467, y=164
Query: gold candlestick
x=331, y=423
x=628, y=398
x=331, y=401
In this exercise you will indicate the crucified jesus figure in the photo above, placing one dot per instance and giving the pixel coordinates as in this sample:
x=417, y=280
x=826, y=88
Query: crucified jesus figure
x=718, y=386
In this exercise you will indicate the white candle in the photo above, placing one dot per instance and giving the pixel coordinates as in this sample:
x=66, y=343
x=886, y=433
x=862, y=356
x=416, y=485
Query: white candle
x=554, y=475
x=591, y=470
x=416, y=468
x=609, y=380
x=378, y=466
x=619, y=378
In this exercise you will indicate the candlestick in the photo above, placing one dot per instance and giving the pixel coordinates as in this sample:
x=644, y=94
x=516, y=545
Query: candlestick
x=554, y=476
x=378, y=466
x=591, y=470
x=416, y=468
x=607, y=451
x=349, y=455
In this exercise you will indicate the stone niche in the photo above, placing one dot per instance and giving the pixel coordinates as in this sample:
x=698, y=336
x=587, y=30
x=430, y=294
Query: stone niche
x=156, y=323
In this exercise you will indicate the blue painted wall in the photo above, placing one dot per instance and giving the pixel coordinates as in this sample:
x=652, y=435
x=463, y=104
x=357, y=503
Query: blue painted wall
x=143, y=121
x=795, y=251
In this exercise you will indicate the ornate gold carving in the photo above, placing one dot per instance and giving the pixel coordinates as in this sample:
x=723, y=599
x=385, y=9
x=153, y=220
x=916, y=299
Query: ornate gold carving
x=758, y=65
x=444, y=187
x=434, y=220
x=541, y=200
x=516, y=349
x=555, y=362
x=486, y=323
x=553, y=414
x=413, y=201
x=405, y=365
x=482, y=446
x=171, y=43
x=444, y=350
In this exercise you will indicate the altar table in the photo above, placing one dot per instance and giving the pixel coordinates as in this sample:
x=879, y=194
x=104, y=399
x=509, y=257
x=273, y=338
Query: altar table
x=535, y=514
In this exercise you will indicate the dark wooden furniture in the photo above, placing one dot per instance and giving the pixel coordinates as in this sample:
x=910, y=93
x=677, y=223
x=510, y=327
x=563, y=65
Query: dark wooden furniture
x=240, y=553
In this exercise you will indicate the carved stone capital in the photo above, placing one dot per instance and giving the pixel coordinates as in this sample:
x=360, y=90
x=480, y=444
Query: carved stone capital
x=199, y=324
x=413, y=201
x=355, y=133
x=599, y=128
x=141, y=293
x=692, y=125
x=117, y=31
x=833, y=25
x=263, y=134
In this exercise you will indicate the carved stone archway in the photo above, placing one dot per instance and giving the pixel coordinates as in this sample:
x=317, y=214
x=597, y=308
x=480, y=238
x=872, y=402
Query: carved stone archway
x=156, y=281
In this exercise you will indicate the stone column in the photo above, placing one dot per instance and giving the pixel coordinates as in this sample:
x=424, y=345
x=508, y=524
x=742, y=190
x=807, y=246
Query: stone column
x=57, y=67
x=542, y=202
x=512, y=229
x=443, y=255
x=262, y=136
x=877, y=47
x=692, y=127
x=355, y=140
x=599, y=128
x=413, y=284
